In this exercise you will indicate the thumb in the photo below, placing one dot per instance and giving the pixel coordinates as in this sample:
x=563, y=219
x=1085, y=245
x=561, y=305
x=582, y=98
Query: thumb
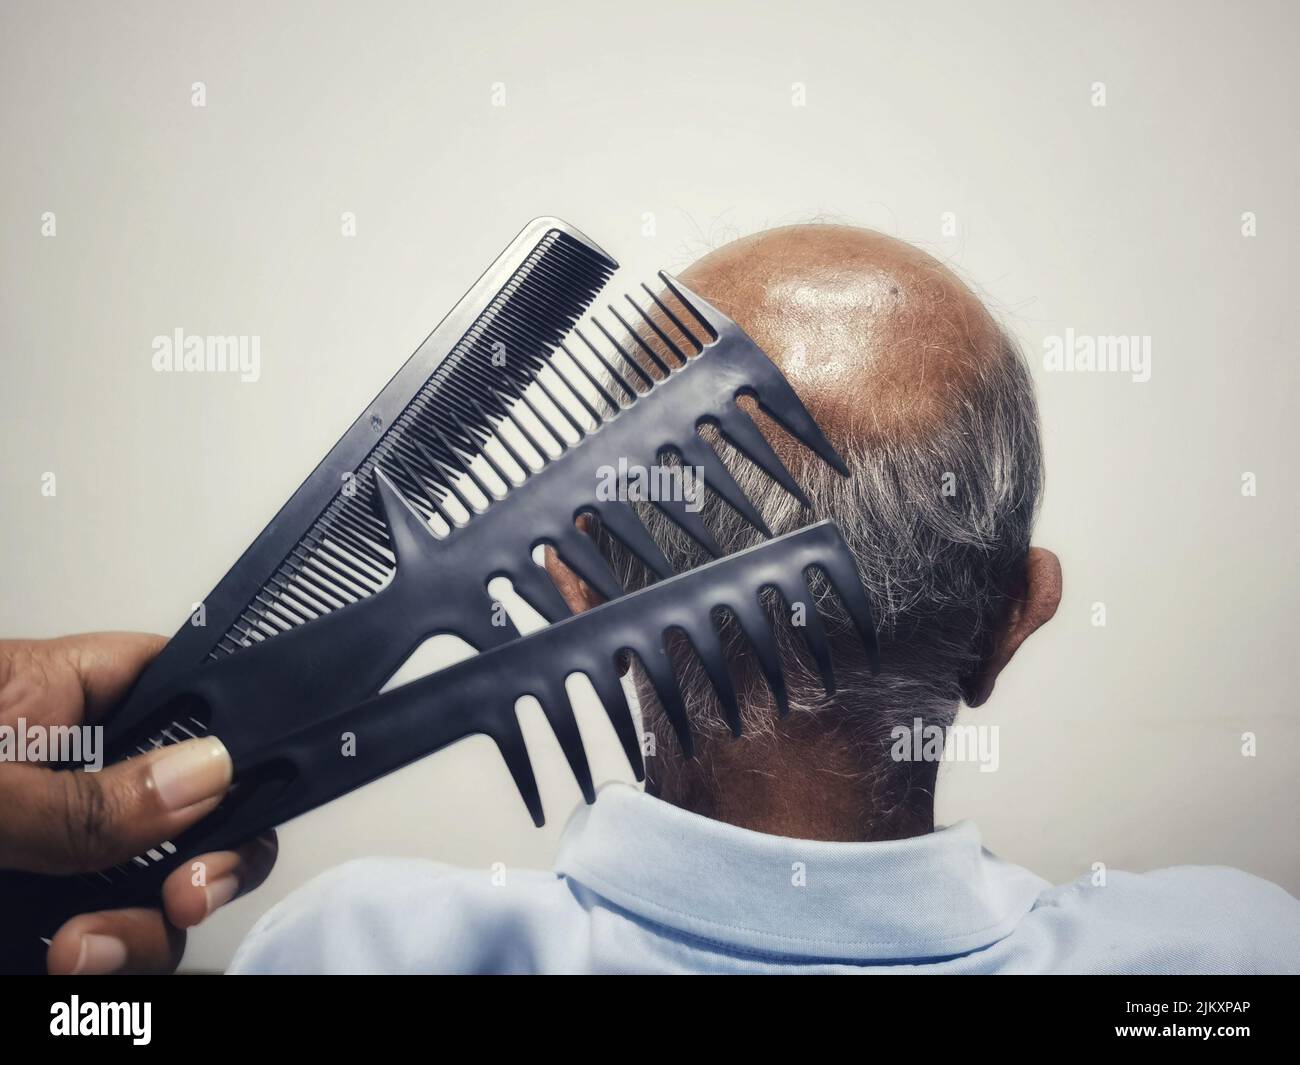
x=78, y=821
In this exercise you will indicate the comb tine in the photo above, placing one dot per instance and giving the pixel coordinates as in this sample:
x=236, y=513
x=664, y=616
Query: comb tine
x=609, y=690
x=754, y=624
x=480, y=449
x=435, y=503
x=740, y=431
x=705, y=313
x=535, y=585
x=467, y=466
x=716, y=476
x=448, y=476
x=582, y=556
x=408, y=531
x=626, y=356
x=620, y=519
x=510, y=742
x=653, y=355
x=691, y=523
x=497, y=433
x=708, y=648
x=555, y=703
x=814, y=633
x=843, y=575
x=543, y=452
x=794, y=418
x=659, y=669
x=608, y=366
x=780, y=400
x=667, y=341
x=574, y=391
x=546, y=422
x=681, y=326
x=604, y=393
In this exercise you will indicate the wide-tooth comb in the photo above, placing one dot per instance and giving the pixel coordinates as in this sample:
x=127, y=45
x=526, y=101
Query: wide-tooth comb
x=280, y=774
x=439, y=584
x=478, y=695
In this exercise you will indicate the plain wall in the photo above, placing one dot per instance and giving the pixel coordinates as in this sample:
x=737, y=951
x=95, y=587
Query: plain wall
x=1120, y=743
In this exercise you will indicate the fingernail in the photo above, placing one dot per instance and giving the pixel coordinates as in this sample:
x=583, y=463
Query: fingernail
x=100, y=954
x=221, y=891
x=191, y=771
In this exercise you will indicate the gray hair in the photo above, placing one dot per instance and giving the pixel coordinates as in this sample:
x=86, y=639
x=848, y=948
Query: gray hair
x=939, y=523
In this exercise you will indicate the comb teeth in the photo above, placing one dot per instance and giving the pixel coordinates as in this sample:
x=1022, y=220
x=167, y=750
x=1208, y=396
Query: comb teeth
x=364, y=582
x=478, y=695
x=345, y=555
x=398, y=562
x=481, y=425
x=453, y=469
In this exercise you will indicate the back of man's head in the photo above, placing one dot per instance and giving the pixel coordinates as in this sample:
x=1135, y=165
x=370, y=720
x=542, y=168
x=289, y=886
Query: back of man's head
x=933, y=410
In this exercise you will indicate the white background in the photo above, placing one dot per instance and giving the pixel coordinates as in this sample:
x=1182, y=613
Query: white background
x=1119, y=744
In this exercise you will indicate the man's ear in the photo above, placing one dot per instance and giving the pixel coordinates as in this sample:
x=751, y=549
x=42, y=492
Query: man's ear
x=1032, y=608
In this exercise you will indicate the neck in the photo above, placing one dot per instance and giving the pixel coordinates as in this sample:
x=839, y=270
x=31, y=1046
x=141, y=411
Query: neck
x=805, y=780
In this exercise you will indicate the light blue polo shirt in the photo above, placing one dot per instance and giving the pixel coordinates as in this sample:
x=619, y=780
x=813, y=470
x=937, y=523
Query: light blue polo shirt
x=644, y=887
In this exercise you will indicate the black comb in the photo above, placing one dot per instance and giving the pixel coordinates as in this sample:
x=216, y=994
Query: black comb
x=326, y=548
x=350, y=577
x=439, y=584
x=282, y=770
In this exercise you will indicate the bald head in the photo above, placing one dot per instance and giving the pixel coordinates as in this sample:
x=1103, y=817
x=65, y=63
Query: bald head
x=933, y=411
x=881, y=341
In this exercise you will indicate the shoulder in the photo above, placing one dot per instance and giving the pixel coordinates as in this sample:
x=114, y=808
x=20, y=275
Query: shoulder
x=1183, y=919
x=411, y=915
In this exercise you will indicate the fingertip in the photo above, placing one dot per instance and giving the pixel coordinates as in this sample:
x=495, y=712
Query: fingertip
x=184, y=901
x=186, y=774
x=65, y=951
x=192, y=893
x=189, y=904
x=115, y=941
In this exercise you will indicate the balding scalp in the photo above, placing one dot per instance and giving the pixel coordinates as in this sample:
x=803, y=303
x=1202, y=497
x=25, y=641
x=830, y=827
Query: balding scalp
x=880, y=340
x=934, y=412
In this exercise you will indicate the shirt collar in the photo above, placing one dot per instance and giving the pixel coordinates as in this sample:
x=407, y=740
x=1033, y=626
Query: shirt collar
x=931, y=896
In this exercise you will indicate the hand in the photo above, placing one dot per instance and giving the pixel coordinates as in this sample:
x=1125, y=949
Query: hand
x=81, y=821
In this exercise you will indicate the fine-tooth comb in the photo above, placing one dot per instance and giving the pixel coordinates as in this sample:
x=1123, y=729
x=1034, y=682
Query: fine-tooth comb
x=285, y=768
x=350, y=577
x=327, y=548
